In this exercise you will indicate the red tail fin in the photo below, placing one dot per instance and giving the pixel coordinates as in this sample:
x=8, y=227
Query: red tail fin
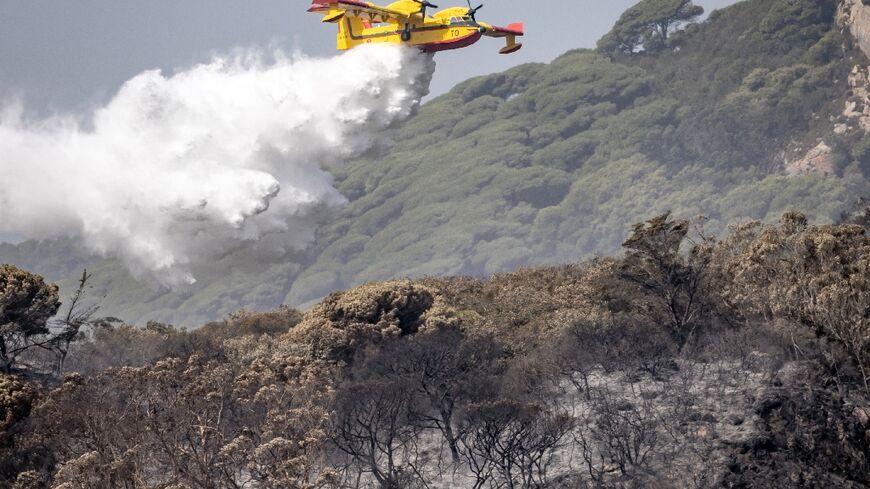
x=518, y=28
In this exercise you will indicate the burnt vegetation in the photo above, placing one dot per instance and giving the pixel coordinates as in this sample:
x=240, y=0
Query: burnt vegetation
x=687, y=361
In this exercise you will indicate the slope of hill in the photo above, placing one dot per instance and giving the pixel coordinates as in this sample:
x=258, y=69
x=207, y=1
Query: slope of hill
x=548, y=163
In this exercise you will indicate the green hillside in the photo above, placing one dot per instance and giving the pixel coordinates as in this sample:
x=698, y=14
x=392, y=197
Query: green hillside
x=549, y=163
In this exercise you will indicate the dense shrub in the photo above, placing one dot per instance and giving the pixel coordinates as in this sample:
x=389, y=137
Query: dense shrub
x=17, y=398
x=246, y=322
x=817, y=276
x=346, y=322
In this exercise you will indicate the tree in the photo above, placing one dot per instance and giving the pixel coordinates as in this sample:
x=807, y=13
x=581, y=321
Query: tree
x=627, y=434
x=197, y=423
x=670, y=284
x=26, y=304
x=444, y=370
x=513, y=441
x=371, y=426
x=285, y=401
x=78, y=316
x=345, y=323
x=169, y=423
x=648, y=25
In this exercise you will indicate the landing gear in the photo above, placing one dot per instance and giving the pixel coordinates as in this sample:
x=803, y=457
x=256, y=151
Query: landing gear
x=406, y=34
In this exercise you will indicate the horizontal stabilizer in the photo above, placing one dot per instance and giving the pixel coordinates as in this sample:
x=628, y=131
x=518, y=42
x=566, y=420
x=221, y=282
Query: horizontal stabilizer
x=334, y=17
x=515, y=29
x=511, y=49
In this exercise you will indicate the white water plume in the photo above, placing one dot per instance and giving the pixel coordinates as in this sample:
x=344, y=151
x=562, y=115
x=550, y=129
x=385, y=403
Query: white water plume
x=176, y=172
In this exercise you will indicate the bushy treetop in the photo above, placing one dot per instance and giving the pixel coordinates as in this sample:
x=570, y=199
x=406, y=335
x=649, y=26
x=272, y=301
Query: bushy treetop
x=648, y=25
x=26, y=301
x=344, y=322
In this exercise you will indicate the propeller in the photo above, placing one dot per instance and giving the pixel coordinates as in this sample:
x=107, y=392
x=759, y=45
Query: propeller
x=424, y=4
x=472, y=12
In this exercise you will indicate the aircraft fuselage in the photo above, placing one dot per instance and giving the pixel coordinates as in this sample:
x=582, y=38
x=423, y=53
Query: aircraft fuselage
x=431, y=36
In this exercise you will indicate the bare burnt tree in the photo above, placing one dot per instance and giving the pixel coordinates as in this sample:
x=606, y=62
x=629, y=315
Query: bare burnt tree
x=476, y=455
x=371, y=425
x=627, y=434
x=79, y=316
x=444, y=370
x=595, y=465
x=512, y=443
x=615, y=342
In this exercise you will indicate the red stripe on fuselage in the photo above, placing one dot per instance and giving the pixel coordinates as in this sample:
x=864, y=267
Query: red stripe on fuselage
x=462, y=42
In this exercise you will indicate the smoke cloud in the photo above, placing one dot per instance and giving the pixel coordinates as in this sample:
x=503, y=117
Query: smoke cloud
x=177, y=172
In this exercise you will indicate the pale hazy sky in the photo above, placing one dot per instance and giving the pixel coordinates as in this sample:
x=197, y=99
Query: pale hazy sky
x=74, y=54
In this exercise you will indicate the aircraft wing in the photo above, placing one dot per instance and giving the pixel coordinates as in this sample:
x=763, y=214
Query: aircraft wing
x=363, y=10
x=516, y=29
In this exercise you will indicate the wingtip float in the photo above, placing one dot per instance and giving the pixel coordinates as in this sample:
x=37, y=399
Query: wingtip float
x=407, y=22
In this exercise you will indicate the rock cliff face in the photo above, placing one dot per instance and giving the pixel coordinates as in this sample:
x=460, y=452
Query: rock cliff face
x=857, y=108
x=855, y=15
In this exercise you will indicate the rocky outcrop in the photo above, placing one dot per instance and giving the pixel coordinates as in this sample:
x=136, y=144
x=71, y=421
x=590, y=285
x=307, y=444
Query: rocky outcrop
x=817, y=160
x=857, y=109
x=855, y=117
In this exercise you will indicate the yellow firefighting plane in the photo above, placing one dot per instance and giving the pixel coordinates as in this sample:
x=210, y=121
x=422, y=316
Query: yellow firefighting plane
x=407, y=22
